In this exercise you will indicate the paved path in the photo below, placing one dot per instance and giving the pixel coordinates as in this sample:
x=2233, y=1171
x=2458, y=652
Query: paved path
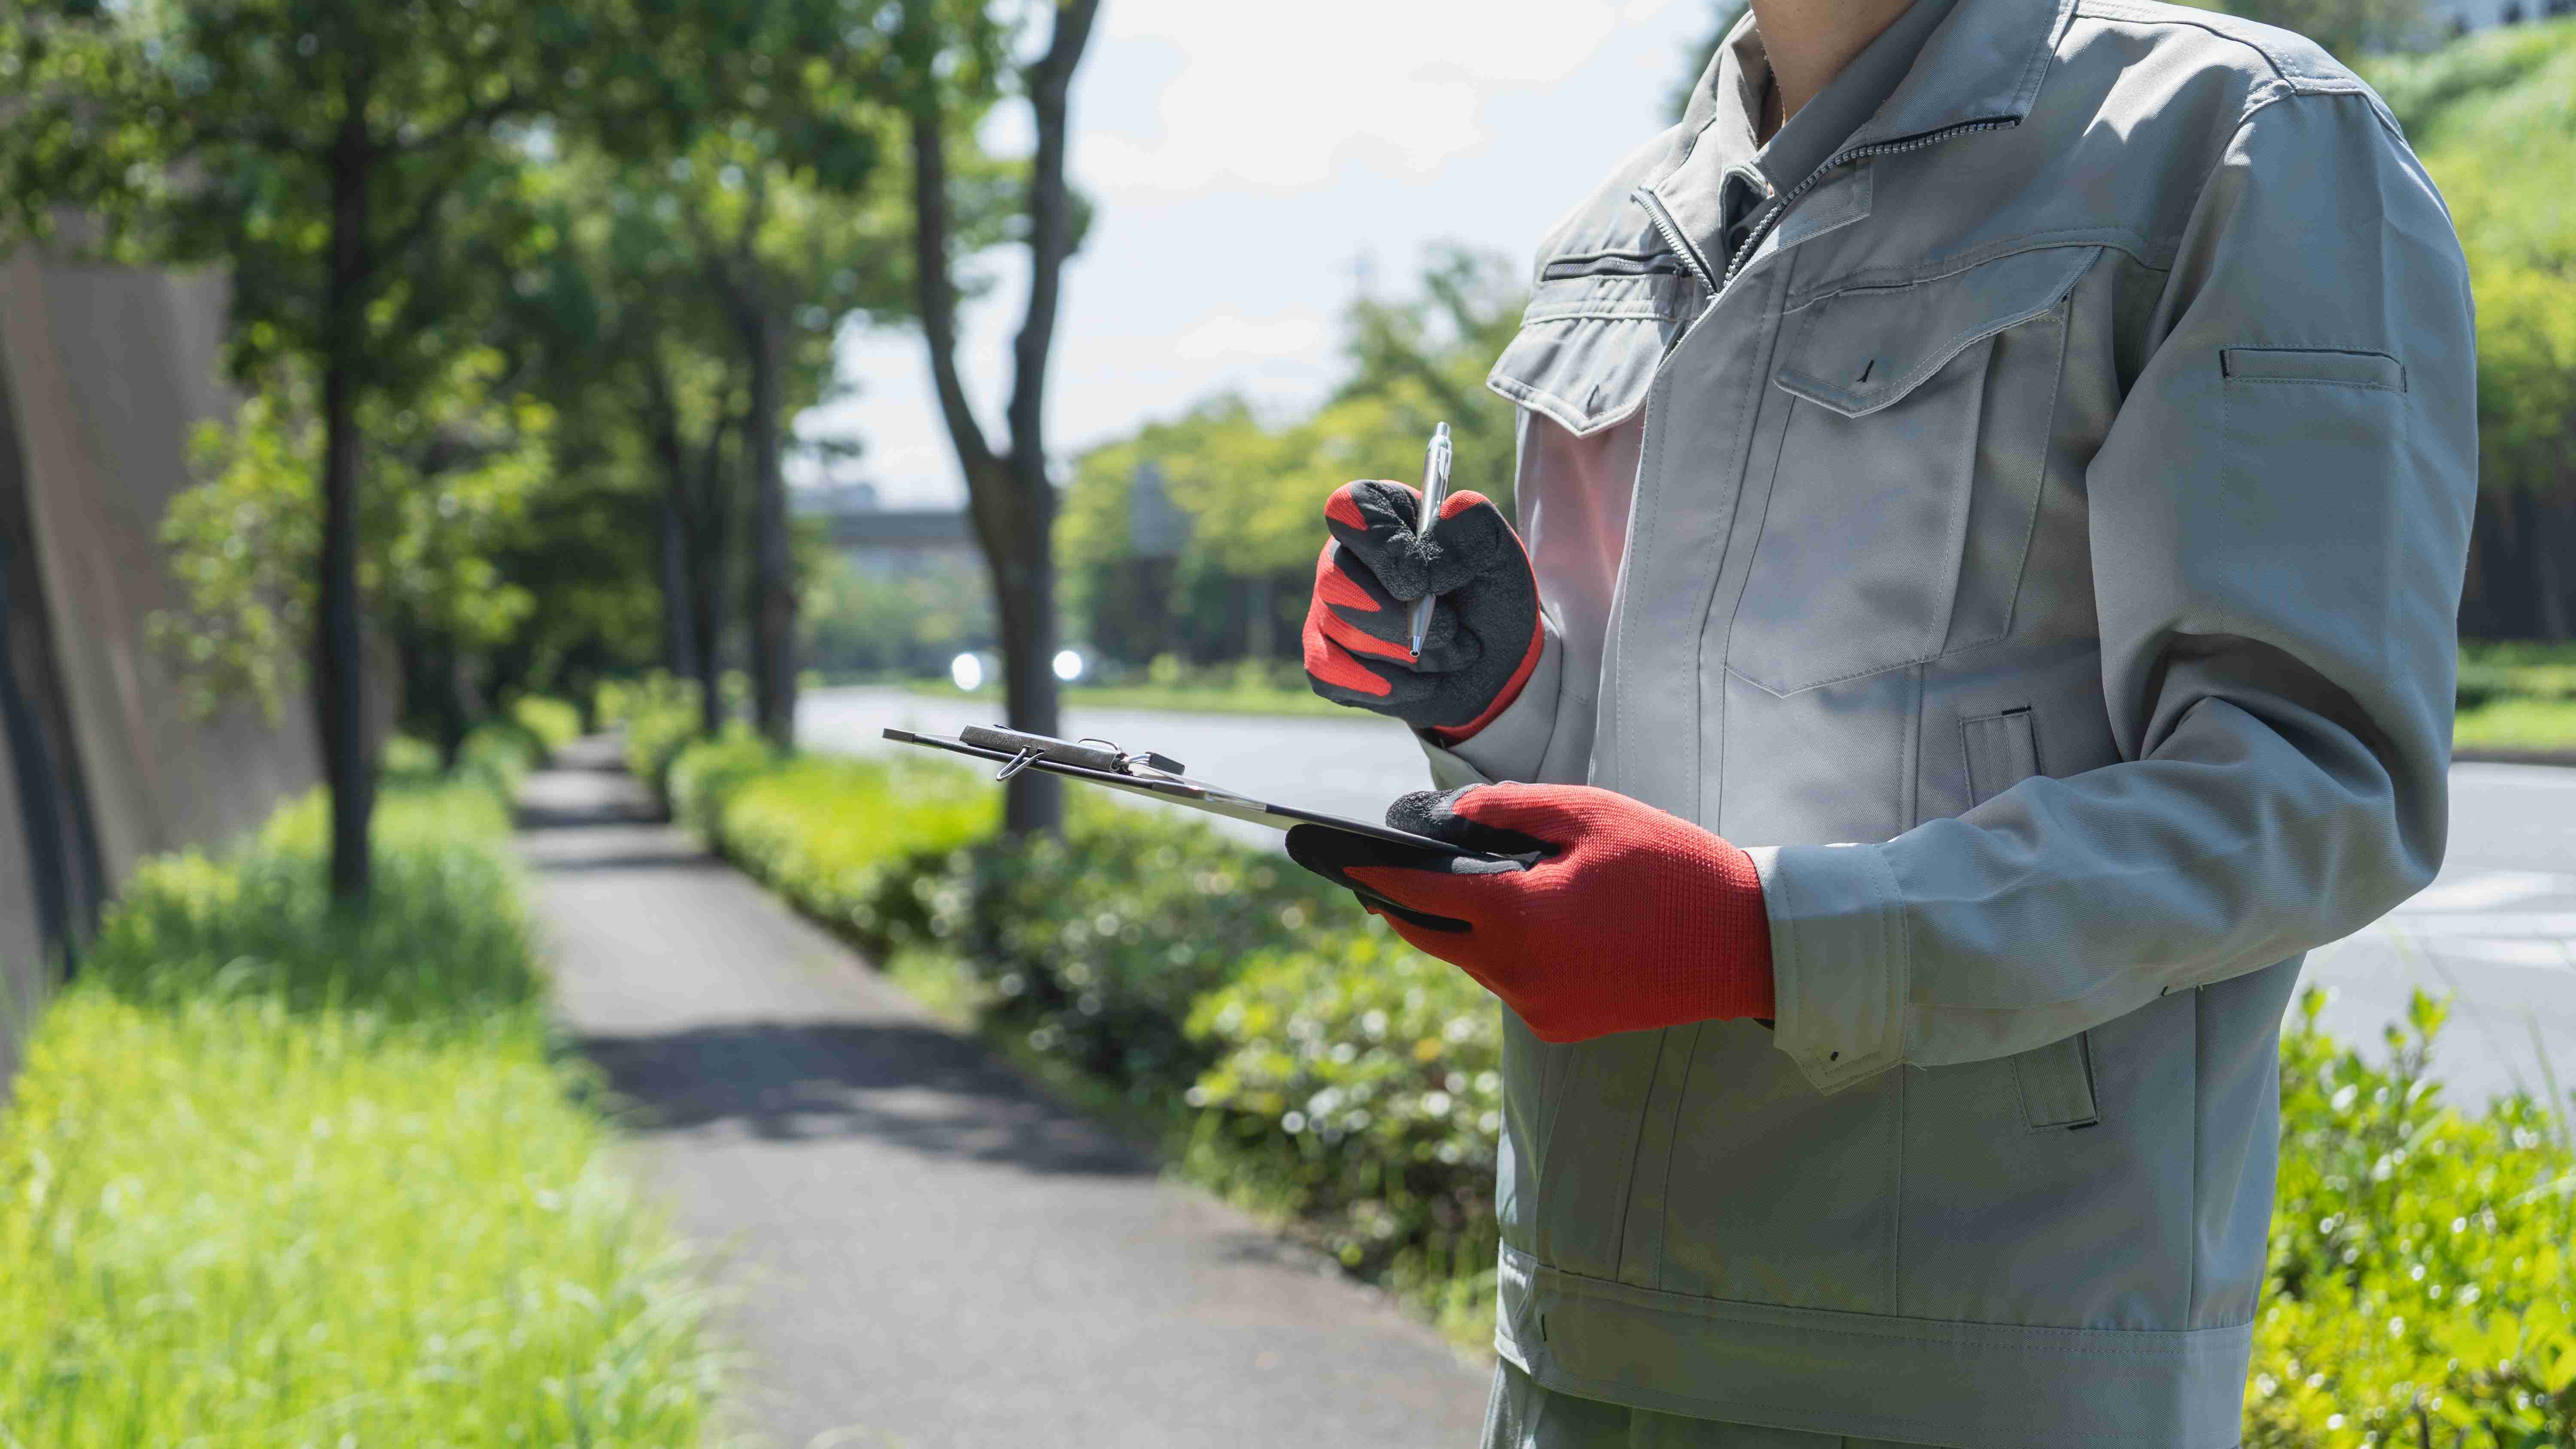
x=927, y=1252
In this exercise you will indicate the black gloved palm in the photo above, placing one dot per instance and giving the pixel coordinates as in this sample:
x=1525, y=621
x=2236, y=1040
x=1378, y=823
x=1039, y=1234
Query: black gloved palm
x=1484, y=634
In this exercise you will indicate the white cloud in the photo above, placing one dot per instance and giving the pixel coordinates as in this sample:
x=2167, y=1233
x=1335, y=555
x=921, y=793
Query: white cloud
x=1228, y=338
x=1283, y=97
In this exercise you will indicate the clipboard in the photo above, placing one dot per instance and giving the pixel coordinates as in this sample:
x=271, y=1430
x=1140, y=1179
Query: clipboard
x=1155, y=777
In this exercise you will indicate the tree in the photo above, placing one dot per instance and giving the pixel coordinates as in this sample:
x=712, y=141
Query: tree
x=455, y=474
x=2348, y=29
x=630, y=346
x=1722, y=15
x=1253, y=487
x=947, y=55
x=318, y=149
x=757, y=108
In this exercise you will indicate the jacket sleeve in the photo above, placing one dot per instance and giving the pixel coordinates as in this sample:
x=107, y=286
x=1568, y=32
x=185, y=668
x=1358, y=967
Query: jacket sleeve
x=1513, y=745
x=2279, y=521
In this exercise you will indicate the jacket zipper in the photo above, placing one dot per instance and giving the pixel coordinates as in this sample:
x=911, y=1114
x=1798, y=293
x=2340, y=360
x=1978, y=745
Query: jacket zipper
x=1771, y=218
x=1612, y=264
x=1671, y=230
x=1672, y=235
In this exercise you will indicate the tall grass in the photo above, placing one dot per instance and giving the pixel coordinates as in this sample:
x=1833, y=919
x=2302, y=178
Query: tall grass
x=276, y=1174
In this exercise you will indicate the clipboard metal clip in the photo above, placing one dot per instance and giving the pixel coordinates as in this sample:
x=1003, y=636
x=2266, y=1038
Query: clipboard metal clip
x=1090, y=753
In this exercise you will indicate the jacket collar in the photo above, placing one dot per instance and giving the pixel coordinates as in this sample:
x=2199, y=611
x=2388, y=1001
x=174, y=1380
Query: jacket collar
x=1982, y=64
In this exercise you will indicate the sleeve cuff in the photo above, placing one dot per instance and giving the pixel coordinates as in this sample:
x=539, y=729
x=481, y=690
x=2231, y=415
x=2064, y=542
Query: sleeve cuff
x=1513, y=743
x=1839, y=968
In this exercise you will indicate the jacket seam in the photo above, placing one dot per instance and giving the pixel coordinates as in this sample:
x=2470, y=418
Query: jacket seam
x=1801, y=1410
x=2184, y=1342
x=2118, y=239
x=2300, y=82
x=2039, y=494
x=1534, y=316
x=2191, y=1259
x=2319, y=382
x=1672, y=1140
x=1748, y=422
x=1636, y=1151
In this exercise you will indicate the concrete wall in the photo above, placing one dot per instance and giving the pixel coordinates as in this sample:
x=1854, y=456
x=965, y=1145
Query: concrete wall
x=106, y=373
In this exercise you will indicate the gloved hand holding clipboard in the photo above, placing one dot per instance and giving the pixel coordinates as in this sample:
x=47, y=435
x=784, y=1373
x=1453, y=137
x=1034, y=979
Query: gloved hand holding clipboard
x=1156, y=777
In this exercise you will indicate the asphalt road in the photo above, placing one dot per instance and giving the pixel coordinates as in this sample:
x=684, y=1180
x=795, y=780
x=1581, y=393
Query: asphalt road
x=921, y=1250
x=2496, y=932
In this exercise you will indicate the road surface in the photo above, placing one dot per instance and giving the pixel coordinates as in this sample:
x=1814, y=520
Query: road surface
x=2496, y=932
x=923, y=1251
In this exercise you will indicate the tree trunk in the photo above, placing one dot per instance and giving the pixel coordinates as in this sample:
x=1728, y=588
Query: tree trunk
x=773, y=587
x=713, y=533
x=1008, y=494
x=2553, y=533
x=679, y=639
x=1016, y=524
x=339, y=685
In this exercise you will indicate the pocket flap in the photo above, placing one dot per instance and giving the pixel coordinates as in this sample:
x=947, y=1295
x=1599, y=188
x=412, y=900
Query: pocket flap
x=1863, y=349
x=1589, y=343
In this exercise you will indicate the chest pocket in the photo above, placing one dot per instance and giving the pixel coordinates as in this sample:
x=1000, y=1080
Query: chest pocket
x=1909, y=471
x=1596, y=327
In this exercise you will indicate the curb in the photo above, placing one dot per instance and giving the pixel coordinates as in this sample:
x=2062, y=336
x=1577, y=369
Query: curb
x=2563, y=758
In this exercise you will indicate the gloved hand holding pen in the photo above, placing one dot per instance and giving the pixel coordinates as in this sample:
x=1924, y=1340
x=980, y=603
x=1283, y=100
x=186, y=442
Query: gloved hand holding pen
x=1484, y=635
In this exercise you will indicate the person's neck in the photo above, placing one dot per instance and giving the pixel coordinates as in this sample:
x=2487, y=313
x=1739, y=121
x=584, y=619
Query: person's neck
x=1810, y=41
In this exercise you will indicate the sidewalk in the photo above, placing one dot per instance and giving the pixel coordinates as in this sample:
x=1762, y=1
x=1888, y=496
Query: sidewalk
x=924, y=1251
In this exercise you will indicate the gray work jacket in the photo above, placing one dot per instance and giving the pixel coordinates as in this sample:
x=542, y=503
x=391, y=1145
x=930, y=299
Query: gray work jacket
x=2041, y=549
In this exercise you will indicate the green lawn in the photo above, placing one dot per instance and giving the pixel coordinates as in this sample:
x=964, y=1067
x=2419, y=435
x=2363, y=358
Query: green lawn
x=273, y=1177
x=2517, y=696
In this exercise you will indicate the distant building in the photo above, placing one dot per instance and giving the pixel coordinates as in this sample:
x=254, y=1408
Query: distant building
x=890, y=542
x=2459, y=17
x=1156, y=526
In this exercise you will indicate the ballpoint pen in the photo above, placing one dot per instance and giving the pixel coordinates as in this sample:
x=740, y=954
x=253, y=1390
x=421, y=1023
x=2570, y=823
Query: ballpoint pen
x=1435, y=488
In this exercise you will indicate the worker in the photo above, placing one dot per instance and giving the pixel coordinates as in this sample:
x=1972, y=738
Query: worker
x=1993, y=489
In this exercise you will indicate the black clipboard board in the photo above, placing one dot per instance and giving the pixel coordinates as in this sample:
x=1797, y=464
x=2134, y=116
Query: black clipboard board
x=1155, y=778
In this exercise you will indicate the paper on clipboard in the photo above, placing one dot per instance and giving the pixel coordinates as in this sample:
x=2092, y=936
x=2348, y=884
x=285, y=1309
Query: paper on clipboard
x=1115, y=770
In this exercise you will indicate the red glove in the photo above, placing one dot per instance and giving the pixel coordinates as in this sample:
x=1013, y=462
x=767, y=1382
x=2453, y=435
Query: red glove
x=1607, y=915
x=1484, y=635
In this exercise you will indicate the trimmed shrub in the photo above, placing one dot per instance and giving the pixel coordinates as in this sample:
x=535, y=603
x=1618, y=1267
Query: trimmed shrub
x=707, y=773
x=2423, y=1260
x=552, y=723
x=1358, y=1085
x=660, y=717
x=1097, y=944
x=856, y=844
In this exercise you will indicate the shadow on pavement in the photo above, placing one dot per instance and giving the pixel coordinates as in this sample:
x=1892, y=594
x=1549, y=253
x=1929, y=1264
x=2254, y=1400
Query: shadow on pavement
x=913, y=1086
x=584, y=814
x=569, y=864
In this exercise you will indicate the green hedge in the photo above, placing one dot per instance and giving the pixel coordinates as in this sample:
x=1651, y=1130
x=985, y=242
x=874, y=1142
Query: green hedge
x=1295, y=1055
x=280, y=1173
x=857, y=845
x=660, y=717
x=552, y=723
x=2423, y=1259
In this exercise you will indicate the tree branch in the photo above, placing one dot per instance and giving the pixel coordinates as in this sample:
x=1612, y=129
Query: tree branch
x=1050, y=232
x=934, y=290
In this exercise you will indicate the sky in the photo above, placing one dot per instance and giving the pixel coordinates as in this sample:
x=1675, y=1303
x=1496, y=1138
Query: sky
x=1250, y=165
